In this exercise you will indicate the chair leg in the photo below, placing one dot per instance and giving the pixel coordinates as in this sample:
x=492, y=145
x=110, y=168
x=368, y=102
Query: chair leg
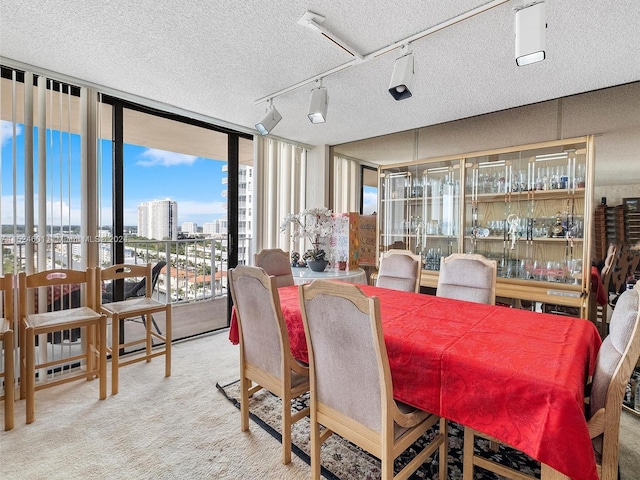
x=115, y=352
x=245, y=383
x=30, y=375
x=153, y=321
x=89, y=344
x=9, y=385
x=467, y=454
x=286, y=428
x=102, y=357
x=149, y=341
x=315, y=447
x=444, y=450
x=22, y=342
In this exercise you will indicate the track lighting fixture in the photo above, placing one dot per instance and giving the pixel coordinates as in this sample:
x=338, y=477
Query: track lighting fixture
x=531, y=27
x=400, y=86
x=270, y=120
x=318, y=105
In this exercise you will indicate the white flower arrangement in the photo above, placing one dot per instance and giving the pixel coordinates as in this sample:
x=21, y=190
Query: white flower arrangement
x=312, y=223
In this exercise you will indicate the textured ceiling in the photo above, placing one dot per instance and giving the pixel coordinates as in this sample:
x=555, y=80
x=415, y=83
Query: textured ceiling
x=216, y=58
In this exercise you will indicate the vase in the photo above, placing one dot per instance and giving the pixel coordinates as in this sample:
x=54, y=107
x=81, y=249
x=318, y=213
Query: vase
x=317, y=265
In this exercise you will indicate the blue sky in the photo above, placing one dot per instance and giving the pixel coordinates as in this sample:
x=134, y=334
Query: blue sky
x=149, y=174
x=194, y=182
x=369, y=200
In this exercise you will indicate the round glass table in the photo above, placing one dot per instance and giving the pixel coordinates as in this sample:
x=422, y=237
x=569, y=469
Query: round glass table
x=302, y=275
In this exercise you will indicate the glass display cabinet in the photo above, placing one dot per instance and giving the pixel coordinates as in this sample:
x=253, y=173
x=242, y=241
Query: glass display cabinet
x=421, y=205
x=527, y=207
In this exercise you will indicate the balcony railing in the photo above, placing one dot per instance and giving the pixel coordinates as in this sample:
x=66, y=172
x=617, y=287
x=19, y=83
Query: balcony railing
x=196, y=268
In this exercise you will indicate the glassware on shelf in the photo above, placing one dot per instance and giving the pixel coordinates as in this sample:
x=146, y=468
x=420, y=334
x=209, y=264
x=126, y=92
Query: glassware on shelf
x=575, y=270
x=555, y=272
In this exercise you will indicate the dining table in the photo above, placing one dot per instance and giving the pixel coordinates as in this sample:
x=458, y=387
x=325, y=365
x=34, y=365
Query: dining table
x=304, y=275
x=516, y=375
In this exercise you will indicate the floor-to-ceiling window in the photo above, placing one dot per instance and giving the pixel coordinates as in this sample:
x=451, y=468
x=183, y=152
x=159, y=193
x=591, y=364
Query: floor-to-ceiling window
x=179, y=191
x=79, y=165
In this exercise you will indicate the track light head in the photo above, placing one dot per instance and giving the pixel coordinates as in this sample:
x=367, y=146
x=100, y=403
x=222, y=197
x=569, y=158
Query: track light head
x=531, y=28
x=400, y=86
x=269, y=121
x=318, y=105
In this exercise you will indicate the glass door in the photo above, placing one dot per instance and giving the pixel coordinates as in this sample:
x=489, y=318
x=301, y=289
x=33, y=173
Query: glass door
x=173, y=191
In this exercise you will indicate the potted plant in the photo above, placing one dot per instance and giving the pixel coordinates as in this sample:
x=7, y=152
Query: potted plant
x=315, y=224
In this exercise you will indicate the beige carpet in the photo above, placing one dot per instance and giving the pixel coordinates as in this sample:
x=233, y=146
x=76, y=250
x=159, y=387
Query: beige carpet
x=179, y=427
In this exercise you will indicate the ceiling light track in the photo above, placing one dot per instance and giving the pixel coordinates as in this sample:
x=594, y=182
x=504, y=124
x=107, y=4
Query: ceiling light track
x=313, y=20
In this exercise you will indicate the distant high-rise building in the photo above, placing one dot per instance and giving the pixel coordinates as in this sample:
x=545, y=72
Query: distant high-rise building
x=245, y=213
x=158, y=219
x=189, y=227
x=219, y=226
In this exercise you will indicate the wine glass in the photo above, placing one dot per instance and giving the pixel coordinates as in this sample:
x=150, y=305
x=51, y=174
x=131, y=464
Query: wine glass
x=575, y=268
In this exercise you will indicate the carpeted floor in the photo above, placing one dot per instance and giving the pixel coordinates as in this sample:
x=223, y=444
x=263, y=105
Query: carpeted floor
x=168, y=428
x=342, y=460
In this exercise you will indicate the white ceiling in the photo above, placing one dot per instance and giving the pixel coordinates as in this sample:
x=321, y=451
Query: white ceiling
x=217, y=57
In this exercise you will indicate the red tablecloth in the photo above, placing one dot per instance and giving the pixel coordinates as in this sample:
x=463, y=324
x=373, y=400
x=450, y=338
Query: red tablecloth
x=513, y=374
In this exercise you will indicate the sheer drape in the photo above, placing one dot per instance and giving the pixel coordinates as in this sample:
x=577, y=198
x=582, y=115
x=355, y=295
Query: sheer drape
x=346, y=185
x=280, y=189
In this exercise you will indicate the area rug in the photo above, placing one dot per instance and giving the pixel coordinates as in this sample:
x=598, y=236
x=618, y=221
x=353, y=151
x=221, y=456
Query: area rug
x=341, y=460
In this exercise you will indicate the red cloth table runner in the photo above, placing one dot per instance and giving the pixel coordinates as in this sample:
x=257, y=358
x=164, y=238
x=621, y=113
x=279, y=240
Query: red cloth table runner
x=513, y=374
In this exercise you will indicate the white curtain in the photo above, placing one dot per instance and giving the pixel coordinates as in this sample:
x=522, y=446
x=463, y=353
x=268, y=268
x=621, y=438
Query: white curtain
x=346, y=185
x=280, y=184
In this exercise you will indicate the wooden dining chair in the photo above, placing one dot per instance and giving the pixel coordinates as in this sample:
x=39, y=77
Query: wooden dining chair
x=275, y=262
x=601, y=311
x=6, y=336
x=265, y=353
x=468, y=276
x=131, y=308
x=399, y=270
x=35, y=320
x=616, y=360
x=351, y=385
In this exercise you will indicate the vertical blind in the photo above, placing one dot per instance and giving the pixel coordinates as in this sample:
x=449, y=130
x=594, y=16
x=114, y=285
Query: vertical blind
x=281, y=170
x=42, y=172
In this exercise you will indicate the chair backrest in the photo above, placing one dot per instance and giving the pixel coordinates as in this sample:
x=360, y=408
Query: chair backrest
x=349, y=367
x=262, y=329
x=400, y=270
x=468, y=276
x=63, y=282
x=275, y=262
x=616, y=360
x=626, y=263
x=609, y=261
x=140, y=288
x=125, y=271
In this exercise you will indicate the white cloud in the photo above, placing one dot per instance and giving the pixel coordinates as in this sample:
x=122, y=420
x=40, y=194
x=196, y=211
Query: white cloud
x=52, y=214
x=153, y=157
x=6, y=131
x=369, y=202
